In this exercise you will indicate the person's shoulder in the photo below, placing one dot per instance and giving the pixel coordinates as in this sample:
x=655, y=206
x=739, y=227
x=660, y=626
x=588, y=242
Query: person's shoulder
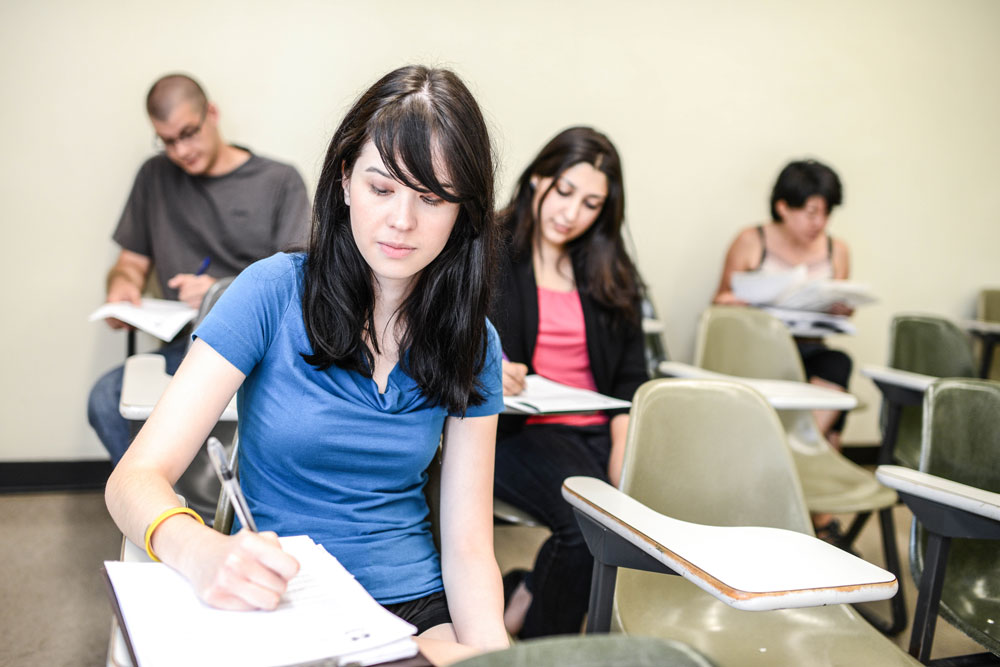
x=266, y=165
x=282, y=267
x=155, y=166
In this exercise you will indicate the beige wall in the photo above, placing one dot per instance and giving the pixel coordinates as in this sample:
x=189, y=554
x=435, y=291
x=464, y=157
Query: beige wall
x=706, y=101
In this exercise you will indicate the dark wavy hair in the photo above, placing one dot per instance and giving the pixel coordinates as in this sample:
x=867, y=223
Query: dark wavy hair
x=410, y=114
x=803, y=179
x=602, y=268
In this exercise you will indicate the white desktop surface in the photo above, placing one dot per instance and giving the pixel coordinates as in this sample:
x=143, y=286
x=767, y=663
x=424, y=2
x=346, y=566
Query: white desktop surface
x=781, y=394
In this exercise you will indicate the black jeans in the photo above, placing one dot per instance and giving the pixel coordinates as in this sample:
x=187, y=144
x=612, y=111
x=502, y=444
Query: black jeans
x=530, y=468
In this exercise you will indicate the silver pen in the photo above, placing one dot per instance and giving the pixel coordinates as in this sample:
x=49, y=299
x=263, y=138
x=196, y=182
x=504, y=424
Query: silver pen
x=229, y=484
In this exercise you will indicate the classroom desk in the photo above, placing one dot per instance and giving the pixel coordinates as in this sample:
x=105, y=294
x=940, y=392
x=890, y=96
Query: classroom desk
x=750, y=568
x=144, y=381
x=781, y=394
x=989, y=333
x=899, y=389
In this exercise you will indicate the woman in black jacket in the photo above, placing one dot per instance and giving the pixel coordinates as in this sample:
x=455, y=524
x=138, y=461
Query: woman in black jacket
x=568, y=309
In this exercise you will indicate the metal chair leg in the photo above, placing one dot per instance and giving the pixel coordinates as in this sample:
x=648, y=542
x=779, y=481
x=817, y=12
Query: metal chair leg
x=929, y=597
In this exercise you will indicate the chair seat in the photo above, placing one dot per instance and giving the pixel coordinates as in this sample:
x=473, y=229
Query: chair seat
x=509, y=514
x=820, y=636
x=832, y=484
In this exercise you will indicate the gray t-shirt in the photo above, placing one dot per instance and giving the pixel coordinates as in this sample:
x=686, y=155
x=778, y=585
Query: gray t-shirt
x=178, y=220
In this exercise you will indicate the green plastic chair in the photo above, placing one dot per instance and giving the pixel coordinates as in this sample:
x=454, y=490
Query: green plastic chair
x=714, y=453
x=749, y=342
x=988, y=310
x=931, y=346
x=592, y=651
x=961, y=442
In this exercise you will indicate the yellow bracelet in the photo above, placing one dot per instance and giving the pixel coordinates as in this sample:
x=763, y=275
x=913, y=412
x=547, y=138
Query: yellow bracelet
x=160, y=519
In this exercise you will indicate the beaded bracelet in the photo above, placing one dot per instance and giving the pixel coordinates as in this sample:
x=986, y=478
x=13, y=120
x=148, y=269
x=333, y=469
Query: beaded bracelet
x=160, y=519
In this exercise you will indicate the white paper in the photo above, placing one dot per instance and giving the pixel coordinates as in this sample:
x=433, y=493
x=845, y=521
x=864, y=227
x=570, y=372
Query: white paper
x=794, y=291
x=158, y=317
x=543, y=396
x=325, y=613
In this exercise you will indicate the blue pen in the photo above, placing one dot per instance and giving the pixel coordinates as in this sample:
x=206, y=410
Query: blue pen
x=204, y=266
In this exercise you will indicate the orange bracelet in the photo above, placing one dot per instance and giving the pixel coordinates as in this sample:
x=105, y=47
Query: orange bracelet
x=160, y=519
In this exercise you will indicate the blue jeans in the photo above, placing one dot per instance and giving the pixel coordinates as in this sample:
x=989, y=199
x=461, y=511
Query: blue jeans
x=530, y=468
x=102, y=405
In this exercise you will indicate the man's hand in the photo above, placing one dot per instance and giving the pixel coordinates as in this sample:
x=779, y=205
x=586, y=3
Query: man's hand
x=513, y=377
x=191, y=288
x=126, y=280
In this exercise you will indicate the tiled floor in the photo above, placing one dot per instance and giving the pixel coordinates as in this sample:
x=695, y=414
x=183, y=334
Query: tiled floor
x=53, y=607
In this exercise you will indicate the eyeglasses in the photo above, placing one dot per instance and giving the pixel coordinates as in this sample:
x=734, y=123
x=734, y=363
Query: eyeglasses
x=185, y=136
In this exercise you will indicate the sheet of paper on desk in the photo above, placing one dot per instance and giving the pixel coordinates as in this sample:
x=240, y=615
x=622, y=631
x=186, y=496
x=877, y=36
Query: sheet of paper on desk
x=158, y=317
x=544, y=396
x=325, y=613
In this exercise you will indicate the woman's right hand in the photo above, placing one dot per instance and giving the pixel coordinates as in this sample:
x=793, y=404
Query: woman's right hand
x=513, y=377
x=238, y=572
x=728, y=299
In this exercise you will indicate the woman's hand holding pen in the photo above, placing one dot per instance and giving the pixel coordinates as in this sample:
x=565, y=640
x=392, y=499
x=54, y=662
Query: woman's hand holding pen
x=238, y=572
x=513, y=377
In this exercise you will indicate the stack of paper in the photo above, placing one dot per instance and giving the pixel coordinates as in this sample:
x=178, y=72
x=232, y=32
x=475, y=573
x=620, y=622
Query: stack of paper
x=324, y=615
x=159, y=317
x=793, y=290
x=544, y=396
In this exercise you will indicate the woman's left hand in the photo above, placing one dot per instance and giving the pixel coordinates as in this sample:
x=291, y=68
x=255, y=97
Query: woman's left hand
x=840, y=308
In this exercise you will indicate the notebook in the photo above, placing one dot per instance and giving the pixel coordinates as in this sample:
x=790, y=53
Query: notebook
x=158, y=317
x=544, y=396
x=325, y=615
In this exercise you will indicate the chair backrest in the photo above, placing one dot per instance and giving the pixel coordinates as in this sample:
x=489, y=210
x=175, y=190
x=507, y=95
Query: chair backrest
x=961, y=442
x=711, y=452
x=932, y=346
x=988, y=310
x=747, y=342
x=653, y=330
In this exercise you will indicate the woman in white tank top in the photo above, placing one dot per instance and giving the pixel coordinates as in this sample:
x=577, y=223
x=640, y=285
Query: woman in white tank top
x=801, y=202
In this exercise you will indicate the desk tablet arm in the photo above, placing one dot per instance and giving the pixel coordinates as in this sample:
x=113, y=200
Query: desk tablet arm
x=935, y=495
x=947, y=510
x=903, y=387
x=748, y=568
x=899, y=389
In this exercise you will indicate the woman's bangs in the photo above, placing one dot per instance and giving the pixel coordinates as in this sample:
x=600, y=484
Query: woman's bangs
x=406, y=143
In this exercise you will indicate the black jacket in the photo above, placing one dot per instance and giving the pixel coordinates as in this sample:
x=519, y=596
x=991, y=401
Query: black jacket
x=614, y=348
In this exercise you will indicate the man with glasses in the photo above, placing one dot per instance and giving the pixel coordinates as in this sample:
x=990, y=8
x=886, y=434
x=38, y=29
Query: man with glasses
x=200, y=210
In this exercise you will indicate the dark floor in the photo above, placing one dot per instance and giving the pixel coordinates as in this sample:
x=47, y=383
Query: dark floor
x=54, y=608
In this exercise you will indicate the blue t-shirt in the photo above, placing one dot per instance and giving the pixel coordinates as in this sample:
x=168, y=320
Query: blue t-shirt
x=323, y=453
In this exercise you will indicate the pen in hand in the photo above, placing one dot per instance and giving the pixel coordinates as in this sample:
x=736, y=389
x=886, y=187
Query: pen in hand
x=229, y=484
x=204, y=266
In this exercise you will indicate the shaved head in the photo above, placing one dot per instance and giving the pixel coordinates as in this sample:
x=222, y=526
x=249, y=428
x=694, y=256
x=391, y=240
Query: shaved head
x=171, y=90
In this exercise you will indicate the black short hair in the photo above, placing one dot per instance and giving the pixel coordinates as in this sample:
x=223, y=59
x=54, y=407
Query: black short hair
x=803, y=179
x=169, y=91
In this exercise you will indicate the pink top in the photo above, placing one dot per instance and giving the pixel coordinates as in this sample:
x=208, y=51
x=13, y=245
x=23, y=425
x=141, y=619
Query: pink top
x=561, y=351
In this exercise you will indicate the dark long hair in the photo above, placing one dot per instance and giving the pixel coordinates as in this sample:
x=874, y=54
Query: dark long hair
x=602, y=268
x=410, y=115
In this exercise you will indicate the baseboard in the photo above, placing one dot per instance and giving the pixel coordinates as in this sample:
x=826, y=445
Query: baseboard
x=31, y=476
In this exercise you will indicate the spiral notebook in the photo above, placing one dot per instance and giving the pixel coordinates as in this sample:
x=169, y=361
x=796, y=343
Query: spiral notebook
x=324, y=616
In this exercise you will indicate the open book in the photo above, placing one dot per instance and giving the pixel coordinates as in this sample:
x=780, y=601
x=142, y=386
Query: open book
x=544, y=396
x=324, y=615
x=158, y=317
